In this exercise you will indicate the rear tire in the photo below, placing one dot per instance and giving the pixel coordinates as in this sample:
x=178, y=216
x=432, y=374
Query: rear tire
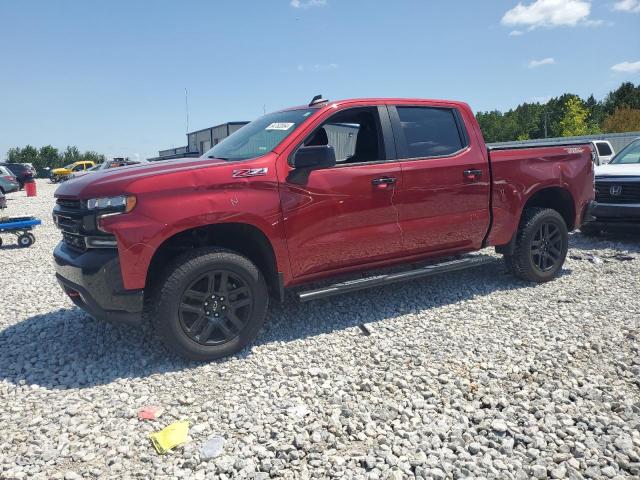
x=210, y=304
x=542, y=242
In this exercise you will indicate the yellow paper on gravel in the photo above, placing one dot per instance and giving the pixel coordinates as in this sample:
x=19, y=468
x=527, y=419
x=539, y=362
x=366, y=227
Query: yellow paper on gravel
x=170, y=437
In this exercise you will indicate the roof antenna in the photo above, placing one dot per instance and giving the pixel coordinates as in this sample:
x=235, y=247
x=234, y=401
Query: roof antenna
x=317, y=100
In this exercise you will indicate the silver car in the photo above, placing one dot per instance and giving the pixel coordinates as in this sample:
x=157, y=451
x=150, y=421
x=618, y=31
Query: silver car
x=8, y=181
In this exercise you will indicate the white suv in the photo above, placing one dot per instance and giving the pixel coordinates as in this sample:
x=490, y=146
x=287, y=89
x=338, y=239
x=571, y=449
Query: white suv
x=604, y=151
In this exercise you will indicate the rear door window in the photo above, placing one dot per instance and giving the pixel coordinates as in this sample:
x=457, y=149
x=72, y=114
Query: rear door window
x=603, y=149
x=430, y=132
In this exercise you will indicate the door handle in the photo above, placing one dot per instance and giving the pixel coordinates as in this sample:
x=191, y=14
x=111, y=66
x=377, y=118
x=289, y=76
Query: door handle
x=472, y=175
x=383, y=182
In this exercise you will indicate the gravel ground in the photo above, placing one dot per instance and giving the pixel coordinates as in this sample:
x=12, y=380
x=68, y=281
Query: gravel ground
x=470, y=374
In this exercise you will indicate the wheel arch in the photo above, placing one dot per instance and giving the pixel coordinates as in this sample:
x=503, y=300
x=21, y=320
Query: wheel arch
x=554, y=197
x=558, y=199
x=243, y=238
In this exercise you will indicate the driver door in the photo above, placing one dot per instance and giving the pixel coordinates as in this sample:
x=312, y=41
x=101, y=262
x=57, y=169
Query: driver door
x=344, y=216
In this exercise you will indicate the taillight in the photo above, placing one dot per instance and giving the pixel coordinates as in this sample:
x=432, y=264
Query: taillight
x=7, y=177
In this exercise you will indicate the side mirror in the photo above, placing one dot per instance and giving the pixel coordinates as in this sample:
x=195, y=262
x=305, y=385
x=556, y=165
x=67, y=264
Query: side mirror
x=314, y=157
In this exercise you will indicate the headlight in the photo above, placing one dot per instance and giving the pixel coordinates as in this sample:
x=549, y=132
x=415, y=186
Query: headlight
x=121, y=203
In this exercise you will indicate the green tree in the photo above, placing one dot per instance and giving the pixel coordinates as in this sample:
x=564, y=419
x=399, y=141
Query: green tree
x=14, y=155
x=71, y=154
x=90, y=155
x=491, y=125
x=574, y=120
x=48, y=157
x=596, y=112
x=626, y=94
x=28, y=154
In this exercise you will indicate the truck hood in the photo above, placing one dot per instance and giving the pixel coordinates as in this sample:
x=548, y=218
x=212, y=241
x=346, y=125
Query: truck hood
x=618, y=170
x=115, y=181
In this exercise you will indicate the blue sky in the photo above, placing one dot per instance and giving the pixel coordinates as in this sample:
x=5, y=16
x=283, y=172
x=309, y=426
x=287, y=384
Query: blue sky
x=110, y=76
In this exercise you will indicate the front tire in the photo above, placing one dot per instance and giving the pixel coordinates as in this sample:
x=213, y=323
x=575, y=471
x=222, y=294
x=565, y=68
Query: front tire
x=542, y=242
x=211, y=304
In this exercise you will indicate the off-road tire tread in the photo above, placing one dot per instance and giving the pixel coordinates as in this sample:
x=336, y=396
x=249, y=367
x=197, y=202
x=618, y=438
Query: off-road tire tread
x=519, y=261
x=169, y=281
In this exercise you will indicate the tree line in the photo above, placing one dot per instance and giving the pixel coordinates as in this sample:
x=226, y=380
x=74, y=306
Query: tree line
x=564, y=116
x=49, y=157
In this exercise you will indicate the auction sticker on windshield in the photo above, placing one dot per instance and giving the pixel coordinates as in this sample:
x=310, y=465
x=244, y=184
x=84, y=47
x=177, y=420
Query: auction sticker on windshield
x=279, y=126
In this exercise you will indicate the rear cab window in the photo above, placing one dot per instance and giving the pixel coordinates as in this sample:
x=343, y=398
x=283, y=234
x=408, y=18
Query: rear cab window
x=425, y=132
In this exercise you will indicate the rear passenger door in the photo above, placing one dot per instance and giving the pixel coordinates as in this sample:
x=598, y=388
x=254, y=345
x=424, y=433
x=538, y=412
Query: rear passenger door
x=443, y=203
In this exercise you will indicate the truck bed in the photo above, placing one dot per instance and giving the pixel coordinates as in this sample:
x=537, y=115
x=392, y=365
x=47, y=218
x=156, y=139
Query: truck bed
x=518, y=172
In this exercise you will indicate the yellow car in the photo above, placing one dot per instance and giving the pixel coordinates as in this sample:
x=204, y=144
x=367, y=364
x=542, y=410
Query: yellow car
x=63, y=173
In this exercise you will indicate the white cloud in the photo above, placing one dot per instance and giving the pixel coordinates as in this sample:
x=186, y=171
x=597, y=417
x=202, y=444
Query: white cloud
x=540, y=63
x=317, y=67
x=626, y=67
x=307, y=3
x=632, y=6
x=515, y=33
x=549, y=13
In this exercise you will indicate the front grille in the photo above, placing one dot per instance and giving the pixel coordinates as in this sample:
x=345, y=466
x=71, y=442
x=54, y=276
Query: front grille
x=71, y=227
x=74, y=241
x=69, y=204
x=617, y=192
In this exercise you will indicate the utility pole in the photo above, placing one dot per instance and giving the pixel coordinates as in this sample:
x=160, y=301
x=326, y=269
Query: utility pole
x=186, y=105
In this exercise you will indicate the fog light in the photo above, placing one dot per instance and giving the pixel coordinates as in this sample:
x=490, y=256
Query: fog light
x=101, y=242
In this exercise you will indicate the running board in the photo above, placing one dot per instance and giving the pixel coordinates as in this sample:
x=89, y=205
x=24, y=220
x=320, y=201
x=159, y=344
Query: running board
x=469, y=261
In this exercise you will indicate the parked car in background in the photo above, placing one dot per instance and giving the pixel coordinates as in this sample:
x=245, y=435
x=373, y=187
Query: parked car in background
x=8, y=181
x=617, y=193
x=604, y=151
x=23, y=172
x=115, y=163
x=63, y=173
x=311, y=193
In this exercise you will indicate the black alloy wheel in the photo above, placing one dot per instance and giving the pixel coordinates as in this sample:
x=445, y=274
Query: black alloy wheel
x=208, y=303
x=546, y=246
x=540, y=247
x=215, y=308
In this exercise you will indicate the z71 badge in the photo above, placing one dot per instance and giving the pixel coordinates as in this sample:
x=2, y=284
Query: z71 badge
x=574, y=150
x=249, y=172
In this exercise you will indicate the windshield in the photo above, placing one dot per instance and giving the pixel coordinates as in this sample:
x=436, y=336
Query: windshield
x=260, y=136
x=629, y=154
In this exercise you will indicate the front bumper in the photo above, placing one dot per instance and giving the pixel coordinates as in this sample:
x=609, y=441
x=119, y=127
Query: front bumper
x=616, y=215
x=93, y=281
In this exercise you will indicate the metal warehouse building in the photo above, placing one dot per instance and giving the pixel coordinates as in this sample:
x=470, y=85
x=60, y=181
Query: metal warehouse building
x=200, y=141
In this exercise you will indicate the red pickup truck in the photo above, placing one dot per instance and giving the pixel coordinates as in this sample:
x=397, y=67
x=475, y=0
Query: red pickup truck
x=198, y=246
